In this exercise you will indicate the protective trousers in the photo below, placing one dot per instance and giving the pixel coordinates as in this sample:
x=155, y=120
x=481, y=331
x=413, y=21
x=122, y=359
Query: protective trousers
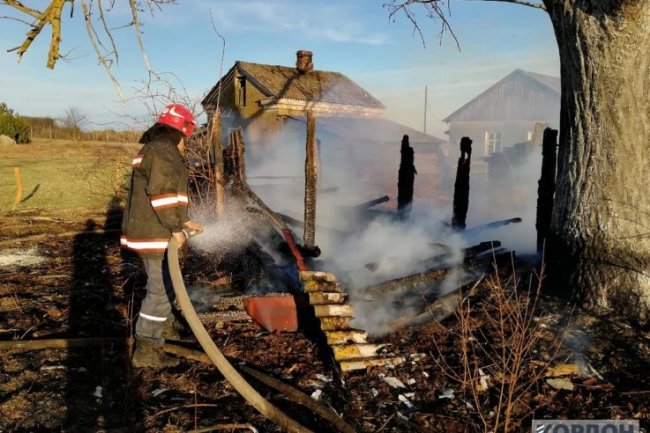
x=157, y=303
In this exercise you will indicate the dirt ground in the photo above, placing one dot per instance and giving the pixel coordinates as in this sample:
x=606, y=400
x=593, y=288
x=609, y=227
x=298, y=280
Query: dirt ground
x=64, y=277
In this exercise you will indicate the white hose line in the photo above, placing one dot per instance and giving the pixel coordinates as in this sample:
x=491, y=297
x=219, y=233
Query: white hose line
x=262, y=405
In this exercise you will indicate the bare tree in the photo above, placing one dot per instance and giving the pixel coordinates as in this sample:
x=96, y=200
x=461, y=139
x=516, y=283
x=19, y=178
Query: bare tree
x=599, y=246
x=74, y=119
x=99, y=28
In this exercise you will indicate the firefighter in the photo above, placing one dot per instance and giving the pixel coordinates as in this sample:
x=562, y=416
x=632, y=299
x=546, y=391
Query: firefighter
x=155, y=212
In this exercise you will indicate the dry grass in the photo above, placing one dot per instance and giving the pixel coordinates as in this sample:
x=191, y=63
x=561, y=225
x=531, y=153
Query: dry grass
x=60, y=175
x=499, y=338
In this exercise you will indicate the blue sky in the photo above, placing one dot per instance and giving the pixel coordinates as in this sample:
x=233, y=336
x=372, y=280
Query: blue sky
x=355, y=38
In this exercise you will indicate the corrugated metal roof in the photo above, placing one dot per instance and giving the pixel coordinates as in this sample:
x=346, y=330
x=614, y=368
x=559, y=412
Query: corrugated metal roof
x=282, y=82
x=521, y=95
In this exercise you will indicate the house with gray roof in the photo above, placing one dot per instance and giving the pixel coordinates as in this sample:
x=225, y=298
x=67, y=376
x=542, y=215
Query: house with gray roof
x=505, y=114
x=269, y=103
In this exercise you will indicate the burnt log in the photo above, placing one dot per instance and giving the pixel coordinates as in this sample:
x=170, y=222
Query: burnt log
x=374, y=202
x=410, y=280
x=546, y=187
x=461, y=186
x=494, y=225
x=438, y=309
x=405, y=179
x=311, y=180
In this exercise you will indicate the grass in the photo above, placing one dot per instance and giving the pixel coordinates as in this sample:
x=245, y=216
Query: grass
x=60, y=175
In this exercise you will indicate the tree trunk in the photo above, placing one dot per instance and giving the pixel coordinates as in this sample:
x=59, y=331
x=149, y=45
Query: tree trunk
x=600, y=231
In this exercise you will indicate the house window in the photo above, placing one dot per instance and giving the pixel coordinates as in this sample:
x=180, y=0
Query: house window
x=530, y=136
x=241, y=91
x=492, y=142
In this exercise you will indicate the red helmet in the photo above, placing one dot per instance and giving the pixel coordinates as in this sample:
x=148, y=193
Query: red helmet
x=178, y=117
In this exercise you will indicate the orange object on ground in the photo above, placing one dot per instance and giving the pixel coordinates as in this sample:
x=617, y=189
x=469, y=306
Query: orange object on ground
x=275, y=312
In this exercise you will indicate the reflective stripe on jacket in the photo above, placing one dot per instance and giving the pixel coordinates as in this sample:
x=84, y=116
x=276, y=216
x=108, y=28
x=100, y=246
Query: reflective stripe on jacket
x=158, y=199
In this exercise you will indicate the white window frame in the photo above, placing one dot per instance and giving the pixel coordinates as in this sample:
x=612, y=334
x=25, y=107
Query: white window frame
x=493, y=142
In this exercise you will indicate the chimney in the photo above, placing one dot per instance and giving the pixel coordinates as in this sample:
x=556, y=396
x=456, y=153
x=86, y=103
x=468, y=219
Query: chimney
x=303, y=61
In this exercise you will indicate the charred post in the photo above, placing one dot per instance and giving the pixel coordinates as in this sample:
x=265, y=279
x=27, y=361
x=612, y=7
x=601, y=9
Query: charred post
x=546, y=187
x=217, y=151
x=461, y=187
x=228, y=160
x=240, y=162
x=405, y=179
x=311, y=178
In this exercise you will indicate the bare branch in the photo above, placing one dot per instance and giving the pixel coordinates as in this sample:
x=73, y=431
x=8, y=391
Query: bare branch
x=100, y=56
x=435, y=9
x=223, y=50
x=519, y=2
x=16, y=19
x=19, y=6
x=102, y=19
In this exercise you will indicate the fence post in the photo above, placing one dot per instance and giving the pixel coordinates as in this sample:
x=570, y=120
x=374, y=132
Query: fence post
x=19, y=186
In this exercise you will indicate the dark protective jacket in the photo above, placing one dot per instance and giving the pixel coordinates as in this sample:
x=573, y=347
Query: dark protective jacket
x=158, y=200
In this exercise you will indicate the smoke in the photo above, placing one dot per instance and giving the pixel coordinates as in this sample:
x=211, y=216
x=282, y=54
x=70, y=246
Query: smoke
x=362, y=250
x=514, y=194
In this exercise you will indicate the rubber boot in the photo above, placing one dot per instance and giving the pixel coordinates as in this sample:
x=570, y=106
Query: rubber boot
x=173, y=330
x=149, y=353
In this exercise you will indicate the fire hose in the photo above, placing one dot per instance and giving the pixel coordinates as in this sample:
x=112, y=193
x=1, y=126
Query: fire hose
x=262, y=405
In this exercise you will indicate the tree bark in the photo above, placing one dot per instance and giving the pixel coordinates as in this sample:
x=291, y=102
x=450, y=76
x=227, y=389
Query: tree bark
x=599, y=246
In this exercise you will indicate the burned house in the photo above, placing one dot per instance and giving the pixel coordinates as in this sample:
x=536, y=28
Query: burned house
x=505, y=114
x=261, y=98
x=269, y=103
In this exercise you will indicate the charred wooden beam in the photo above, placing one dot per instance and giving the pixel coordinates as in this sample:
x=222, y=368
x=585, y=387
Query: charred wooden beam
x=235, y=164
x=410, y=280
x=439, y=309
x=217, y=151
x=461, y=186
x=311, y=180
x=300, y=224
x=494, y=225
x=405, y=179
x=374, y=202
x=546, y=187
x=481, y=248
x=468, y=253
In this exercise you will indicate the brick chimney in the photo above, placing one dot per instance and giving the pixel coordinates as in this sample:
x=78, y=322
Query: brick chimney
x=303, y=61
